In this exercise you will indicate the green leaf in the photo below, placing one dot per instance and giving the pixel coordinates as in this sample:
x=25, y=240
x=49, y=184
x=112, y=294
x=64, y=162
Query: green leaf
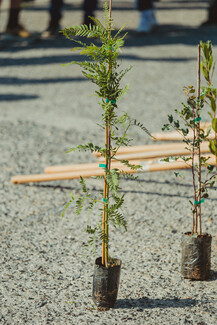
x=213, y=104
x=170, y=118
x=212, y=147
x=214, y=124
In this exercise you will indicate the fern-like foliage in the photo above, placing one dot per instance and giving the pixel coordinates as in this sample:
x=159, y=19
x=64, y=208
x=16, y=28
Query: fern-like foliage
x=102, y=68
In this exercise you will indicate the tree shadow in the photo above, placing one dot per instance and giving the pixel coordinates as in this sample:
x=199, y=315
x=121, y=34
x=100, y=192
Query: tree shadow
x=147, y=303
x=165, y=34
x=65, y=59
x=71, y=188
x=25, y=81
x=15, y=97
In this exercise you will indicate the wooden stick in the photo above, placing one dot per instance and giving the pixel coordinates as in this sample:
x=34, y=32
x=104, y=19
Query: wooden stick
x=174, y=136
x=155, y=154
x=199, y=144
x=146, y=148
x=161, y=153
x=146, y=167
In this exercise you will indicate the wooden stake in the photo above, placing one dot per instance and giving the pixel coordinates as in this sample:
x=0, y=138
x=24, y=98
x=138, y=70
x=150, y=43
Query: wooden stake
x=160, y=153
x=174, y=136
x=199, y=144
x=146, y=148
x=146, y=167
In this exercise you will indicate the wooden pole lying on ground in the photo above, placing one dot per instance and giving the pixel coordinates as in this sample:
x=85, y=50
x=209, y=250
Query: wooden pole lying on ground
x=146, y=148
x=163, y=151
x=146, y=167
x=174, y=136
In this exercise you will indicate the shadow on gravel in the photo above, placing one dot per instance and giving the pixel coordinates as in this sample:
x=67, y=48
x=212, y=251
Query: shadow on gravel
x=61, y=59
x=165, y=34
x=71, y=188
x=25, y=81
x=14, y=97
x=146, y=303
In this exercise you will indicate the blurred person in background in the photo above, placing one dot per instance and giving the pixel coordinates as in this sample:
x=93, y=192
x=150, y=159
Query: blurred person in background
x=14, y=27
x=212, y=14
x=147, y=20
x=55, y=12
x=89, y=6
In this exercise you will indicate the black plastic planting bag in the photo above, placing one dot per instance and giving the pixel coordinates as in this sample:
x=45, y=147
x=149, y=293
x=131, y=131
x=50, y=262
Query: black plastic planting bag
x=196, y=256
x=105, y=283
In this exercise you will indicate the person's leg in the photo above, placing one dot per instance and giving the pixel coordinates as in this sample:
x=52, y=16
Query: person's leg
x=55, y=12
x=212, y=16
x=14, y=28
x=147, y=17
x=145, y=5
x=89, y=6
x=14, y=11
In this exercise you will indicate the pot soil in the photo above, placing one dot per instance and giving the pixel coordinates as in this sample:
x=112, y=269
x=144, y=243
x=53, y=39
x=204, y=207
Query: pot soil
x=196, y=256
x=105, y=283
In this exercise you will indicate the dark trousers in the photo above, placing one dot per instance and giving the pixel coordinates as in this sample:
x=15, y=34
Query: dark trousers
x=55, y=12
x=89, y=6
x=212, y=16
x=56, y=9
x=145, y=4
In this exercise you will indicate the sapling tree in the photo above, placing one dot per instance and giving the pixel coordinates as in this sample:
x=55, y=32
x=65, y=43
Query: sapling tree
x=193, y=135
x=102, y=68
x=208, y=68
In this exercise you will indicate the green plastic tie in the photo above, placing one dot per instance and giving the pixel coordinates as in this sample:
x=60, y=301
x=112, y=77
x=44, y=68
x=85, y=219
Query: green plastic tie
x=104, y=200
x=113, y=101
x=103, y=165
x=199, y=202
x=109, y=48
x=198, y=119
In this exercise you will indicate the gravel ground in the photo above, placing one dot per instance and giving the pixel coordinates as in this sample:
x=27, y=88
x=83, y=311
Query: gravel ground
x=45, y=109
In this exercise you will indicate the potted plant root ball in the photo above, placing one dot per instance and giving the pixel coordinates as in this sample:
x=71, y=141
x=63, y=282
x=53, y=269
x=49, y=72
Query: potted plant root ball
x=102, y=69
x=196, y=245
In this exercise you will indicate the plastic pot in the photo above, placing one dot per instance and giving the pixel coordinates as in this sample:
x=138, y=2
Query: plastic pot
x=105, y=283
x=196, y=256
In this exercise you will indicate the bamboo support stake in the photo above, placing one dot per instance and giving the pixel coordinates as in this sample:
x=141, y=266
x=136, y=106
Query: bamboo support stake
x=145, y=148
x=107, y=163
x=199, y=144
x=146, y=167
x=174, y=136
x=163, y=152
x=160, y=153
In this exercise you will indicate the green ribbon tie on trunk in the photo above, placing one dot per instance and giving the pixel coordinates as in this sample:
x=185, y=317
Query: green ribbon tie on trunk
x=199, y=202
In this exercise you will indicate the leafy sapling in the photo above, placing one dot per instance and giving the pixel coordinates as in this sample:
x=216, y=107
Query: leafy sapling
x=102, y=68
x=188, y=125
x=208, y=68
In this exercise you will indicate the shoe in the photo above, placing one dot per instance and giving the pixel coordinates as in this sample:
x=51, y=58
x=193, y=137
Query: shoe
x=51, y=32
x=147, y=22
x=18, y=31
